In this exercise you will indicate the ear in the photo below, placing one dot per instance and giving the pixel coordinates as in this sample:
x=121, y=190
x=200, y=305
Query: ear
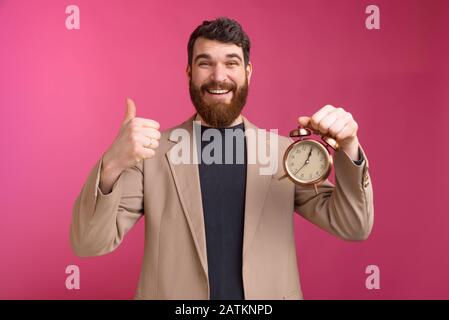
x=188, y=73
x=249, y=71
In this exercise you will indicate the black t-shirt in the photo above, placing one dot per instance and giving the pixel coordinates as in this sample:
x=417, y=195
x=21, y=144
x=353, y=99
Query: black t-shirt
x=223, y=195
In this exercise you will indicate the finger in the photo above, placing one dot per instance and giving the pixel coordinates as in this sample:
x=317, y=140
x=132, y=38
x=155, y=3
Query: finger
x=318, y=116
x=150, y=132
x=130, y=110
x=146, y=142
x=147, y=153
x=141, y=139
x=348, y=131
x=339, y=124
x=327, y=122
x=153, y=144
x=147, y=123
x=304, y=121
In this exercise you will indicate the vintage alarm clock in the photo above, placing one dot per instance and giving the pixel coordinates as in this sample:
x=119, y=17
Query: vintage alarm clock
x=308, y=162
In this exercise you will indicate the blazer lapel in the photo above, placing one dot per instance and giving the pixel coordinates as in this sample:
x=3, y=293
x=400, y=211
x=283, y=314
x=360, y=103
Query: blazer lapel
x=186, y=177
x=257, y=186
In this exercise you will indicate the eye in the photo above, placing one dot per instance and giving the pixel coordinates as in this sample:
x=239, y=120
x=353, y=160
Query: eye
x=203, y=63
x=232, y=63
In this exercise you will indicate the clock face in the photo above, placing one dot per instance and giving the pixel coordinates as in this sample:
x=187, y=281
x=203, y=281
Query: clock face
x=307, y=162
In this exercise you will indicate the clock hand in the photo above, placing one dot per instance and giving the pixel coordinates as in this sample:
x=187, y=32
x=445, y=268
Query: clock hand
x=310, y=153
x=301, y=167
x=305, y=163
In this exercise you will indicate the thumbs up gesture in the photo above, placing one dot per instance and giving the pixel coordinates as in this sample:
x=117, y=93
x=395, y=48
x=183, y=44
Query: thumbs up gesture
x=137, y=139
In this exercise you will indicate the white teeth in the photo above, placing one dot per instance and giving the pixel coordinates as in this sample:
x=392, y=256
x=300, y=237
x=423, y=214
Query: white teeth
x=218, y=91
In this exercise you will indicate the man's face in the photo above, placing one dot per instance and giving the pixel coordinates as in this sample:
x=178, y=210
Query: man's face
x=218, y=81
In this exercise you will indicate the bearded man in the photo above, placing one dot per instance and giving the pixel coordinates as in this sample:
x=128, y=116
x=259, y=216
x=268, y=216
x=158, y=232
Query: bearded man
x=217, y=228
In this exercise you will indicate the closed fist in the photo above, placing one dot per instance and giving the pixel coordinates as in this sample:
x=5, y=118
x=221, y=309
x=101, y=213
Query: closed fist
x=336, y=123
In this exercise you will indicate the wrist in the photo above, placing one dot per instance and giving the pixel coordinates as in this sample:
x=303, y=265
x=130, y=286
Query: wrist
x=109, y=166
x=352, y=149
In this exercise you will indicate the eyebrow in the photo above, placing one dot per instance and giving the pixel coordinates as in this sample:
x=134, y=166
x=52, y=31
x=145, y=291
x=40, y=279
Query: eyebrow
x=207, y=56
x=233, y=55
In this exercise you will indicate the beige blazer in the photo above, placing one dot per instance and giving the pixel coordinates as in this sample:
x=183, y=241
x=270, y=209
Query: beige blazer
x=168, y=196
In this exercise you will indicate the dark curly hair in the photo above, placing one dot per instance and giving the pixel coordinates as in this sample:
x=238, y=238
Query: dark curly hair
x=224, y=30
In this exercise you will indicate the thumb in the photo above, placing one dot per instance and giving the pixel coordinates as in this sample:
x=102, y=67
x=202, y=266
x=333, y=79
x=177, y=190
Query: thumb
x=304, y=121
x=130, y=110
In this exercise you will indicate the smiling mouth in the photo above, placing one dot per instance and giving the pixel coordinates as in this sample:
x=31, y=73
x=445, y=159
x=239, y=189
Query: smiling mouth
x=217, y=92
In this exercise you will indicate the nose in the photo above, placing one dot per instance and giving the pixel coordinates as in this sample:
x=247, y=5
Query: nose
x=219, y=73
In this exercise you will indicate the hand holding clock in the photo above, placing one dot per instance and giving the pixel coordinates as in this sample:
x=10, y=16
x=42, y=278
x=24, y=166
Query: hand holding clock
x=338, y=124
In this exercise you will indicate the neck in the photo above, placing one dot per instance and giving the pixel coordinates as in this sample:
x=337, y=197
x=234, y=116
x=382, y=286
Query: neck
x=237, y=121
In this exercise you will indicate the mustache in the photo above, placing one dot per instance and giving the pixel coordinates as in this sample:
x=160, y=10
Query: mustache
x=213, y=85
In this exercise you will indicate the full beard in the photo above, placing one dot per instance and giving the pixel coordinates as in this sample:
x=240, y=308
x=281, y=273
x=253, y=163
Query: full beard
x=219, y=114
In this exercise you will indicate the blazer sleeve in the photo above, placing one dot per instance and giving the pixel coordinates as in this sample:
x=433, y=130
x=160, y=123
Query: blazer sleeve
x=345, y=210
x=100, y=221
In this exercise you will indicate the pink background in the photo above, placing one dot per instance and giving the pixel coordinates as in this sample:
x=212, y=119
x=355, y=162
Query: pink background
x=62, y=98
